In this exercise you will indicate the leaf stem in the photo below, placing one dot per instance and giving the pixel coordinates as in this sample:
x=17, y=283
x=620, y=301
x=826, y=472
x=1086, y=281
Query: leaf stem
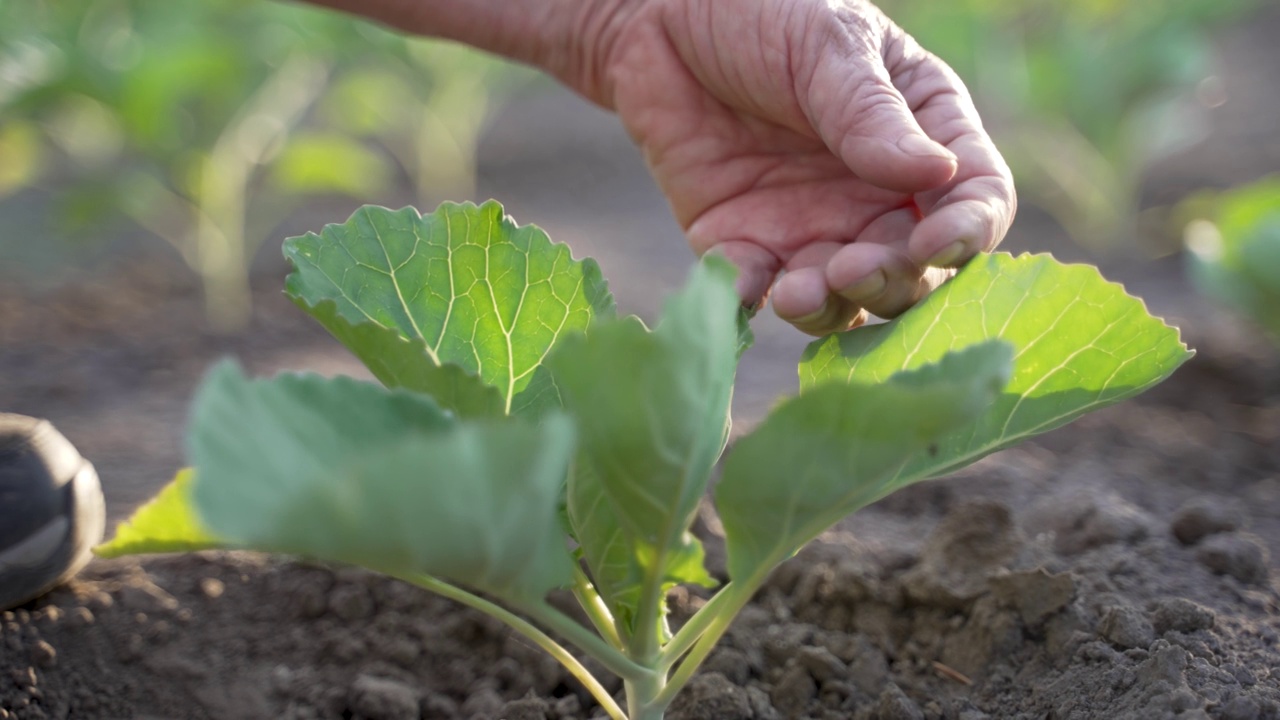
x=694, y=629
x=736, y=597
x=593, y=605
x=617, y=663
x=530, y=631
x=646, y=642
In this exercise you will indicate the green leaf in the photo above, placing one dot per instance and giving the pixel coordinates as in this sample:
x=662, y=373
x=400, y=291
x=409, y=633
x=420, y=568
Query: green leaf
x=345, y=471
x=167, y=523
x=616, y=568
x=400, y=362
x=838, y=447
x=653, y=411
x=477, y=290
x=1080, y=344
x=746, y=338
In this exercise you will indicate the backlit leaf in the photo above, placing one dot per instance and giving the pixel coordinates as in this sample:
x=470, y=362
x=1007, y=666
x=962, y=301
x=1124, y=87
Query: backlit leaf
x=167, y=523
x=1080, y=343
x=477, y=290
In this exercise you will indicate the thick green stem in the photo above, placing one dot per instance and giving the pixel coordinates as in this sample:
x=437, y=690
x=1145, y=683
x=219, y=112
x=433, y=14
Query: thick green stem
x=645, y=641
x=531, y=632
x=736, y=597
x=642, y=698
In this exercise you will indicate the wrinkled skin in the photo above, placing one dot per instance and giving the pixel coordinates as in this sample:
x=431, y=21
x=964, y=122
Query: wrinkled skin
x=812, y=142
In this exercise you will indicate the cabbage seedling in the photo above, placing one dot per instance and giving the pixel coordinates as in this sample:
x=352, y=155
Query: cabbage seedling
x=527, y=440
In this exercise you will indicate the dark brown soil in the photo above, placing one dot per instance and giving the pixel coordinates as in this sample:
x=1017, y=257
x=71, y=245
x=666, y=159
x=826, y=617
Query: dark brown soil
x=1123, y=567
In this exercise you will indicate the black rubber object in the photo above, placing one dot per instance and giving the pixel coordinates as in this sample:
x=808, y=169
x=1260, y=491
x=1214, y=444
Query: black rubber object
x=51, y=509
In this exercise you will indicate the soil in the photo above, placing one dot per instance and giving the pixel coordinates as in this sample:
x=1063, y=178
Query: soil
x=1125, y=566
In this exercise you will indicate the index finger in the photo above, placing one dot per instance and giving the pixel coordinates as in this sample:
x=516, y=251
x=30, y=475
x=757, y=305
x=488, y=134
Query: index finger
x=973, y=211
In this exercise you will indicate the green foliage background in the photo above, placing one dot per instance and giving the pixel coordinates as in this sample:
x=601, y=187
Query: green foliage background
x=1081, y=96
x=208, y=122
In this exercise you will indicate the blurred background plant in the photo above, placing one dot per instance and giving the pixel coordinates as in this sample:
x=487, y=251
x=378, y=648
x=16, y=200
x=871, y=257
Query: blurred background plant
x=1082, y=96
x=1234, y=243
x=208, y=122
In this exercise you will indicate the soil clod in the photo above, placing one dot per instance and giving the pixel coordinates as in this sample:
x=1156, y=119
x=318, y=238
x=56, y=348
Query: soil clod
x=1236, y=554
x=1205, y=516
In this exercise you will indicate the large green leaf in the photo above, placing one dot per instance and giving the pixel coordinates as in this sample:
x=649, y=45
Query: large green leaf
x=1080, y=343
x=167, y=523
x=464, y=285
x=401, y=362
x=345, y=471
x=838, y=447
x=653, y=411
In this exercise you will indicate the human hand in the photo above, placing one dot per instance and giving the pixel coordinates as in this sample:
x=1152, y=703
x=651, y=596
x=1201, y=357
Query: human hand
x=812, y=138
x=807, y=137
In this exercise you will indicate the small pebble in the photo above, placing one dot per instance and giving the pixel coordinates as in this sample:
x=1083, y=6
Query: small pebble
x=43, y=654
x=212, y=588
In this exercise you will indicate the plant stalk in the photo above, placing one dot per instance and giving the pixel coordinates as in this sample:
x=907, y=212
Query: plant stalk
x=530, y=631
x=617, y=663
x=644, y=697
x=594, y=606
x=695, y=628
x=736, y=598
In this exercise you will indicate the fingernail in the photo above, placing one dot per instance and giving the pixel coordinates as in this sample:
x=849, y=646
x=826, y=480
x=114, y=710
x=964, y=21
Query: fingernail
x=813, y=316
x=920, y=146
x=866, y=288
x=949, y=255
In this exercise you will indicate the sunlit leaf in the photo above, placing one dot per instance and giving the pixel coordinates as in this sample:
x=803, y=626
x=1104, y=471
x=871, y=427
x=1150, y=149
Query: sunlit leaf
x=477, y=290
x=167, y=523
x=1080, y=344
x=400, y=362
x=840, y=446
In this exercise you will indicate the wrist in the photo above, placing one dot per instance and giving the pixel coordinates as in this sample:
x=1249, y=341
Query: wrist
x=576, y=39
x=569, y=39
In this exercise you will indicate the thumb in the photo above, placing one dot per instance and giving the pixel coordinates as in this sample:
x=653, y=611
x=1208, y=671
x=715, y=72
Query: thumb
x=866, y=122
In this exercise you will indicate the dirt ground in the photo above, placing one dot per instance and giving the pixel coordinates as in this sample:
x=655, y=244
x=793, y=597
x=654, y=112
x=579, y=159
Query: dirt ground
x=1123, y=567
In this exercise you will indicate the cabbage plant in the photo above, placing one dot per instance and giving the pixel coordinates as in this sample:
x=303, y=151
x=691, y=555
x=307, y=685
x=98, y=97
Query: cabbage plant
x=526, y=439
